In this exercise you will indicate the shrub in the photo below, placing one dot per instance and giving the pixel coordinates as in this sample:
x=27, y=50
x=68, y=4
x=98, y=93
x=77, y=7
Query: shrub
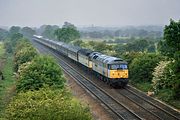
x=46, y=104
x=129, y=56
x=166, y=77
x=24, y=52
x=24, y=55
x=41, y=70
x=159, y=77
x=142, y=67
x=8, y=47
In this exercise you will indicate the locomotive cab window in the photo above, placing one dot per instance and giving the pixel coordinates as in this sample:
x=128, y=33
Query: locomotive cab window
x=118, y=67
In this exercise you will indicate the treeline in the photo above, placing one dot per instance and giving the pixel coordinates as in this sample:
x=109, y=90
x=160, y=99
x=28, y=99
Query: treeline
x=8, y=34
x=121, y=32
x=41, y=92
x=68, y=32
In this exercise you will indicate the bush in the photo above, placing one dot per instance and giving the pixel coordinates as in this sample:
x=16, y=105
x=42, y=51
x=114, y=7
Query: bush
x=167, y=76
x=166, y=94
x=8, y=47
x=130, y=56
x=142, y=67
x=24, y=55
x=24, y=52
x=159, y=77
x=41, y=70
x=46, y=104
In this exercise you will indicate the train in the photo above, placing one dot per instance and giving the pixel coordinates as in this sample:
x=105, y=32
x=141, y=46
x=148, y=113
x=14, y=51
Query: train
x=111, y=70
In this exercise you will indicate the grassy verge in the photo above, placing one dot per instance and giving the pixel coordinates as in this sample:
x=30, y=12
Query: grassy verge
x=162, y=95
x=144, y=86
x=7, y=86
x=165, y=95
x=1, y=50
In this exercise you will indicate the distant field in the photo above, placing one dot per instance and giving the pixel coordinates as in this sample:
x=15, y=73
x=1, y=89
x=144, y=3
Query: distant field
x=102, y=39
x=92, y=39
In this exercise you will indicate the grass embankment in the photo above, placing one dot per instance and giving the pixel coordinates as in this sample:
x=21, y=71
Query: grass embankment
x=162, y=94
x=7, y=84
x=1, y=50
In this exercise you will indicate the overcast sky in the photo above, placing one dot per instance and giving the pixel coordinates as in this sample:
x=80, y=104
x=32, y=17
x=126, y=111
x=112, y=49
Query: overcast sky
x=88, y=12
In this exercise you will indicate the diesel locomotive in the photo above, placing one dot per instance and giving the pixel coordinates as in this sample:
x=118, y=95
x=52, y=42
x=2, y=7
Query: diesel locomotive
x=112, y=70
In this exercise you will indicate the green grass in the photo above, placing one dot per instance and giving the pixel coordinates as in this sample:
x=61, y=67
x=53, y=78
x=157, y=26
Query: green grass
x=144, y=86
x=93, y=39
x=7, y=88
x=174, y=103
x=166, y=95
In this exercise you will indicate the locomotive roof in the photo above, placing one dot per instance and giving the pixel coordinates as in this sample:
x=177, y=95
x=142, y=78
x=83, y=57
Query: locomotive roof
x=107, y=59
x=85, y=52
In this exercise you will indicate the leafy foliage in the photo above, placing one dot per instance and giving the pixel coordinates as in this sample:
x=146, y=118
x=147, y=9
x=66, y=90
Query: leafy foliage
x=24, y=53
x=42, y=70
x=159, y=78
x=100, y=46
x=48, y=31
x=78, y=43
x=142, y=67
x=15, y=37
x=129, y=56
x=165, y=77
x=8, y=46
x=46, y=104
x=170, y=46
x=3, y=34
x=27, y=31
x=14, y=30
x=137, y=46
x=67, y=33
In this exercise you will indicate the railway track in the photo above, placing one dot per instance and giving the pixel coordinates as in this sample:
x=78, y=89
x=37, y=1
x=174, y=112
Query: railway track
x=120, y=110
x=153, y=106
x=130, y=103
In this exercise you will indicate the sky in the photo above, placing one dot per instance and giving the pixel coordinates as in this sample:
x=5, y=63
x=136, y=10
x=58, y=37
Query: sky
x=88, y=12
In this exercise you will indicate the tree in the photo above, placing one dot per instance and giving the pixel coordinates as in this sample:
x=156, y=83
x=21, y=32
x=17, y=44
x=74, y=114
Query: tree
x=27, y=31
x=42, y=70
x=100, y=46
x=8, y=46
x=3, y=34
x=137, y=46
x=68, y=25
x=48, y=31
x=142, y=67
x=13, y=30
x=172, y=38
x=120, y=48
x=151, y=48
x=15, y=37
x=67, y=33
